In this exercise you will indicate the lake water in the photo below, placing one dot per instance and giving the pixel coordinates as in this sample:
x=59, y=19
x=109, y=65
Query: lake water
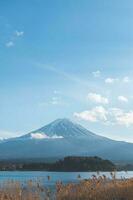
x=65, y=177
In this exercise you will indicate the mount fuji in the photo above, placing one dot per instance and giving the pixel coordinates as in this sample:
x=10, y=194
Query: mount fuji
x=64, y=138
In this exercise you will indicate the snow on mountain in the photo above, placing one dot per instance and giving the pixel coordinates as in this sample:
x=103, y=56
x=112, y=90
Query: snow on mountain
x=62, y=128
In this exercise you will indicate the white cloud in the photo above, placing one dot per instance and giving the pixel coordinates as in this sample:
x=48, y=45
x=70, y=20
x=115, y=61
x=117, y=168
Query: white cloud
x=41, y=136
x=123, y=99
x=121, y=117
x=96, y=74
x=58, y=100
x=97, y=98
x=9, y=44
x=19, y=33
x=111, y=116
x=55, y=100
x=126, y=118
x=115, y=112
x=111, y=80
x=98, y=113
x=126, y=79
x=57, y=92
x=38, y=136
x=56, y=137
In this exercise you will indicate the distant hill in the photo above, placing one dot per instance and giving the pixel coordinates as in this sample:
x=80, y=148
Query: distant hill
x=79, y=164
x=68, y=164
x=63, y=138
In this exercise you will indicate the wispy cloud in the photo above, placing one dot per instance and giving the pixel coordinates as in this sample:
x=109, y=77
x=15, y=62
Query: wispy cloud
x=10, y=44
x=97, y=98
x=123, y=99
x=56, y=100
x=57, y=92
x=122, y=117
x=96, y=74
x=19, y=33
x=13, y=38
x=126, y=79
x=65, y=75
x=111, y=80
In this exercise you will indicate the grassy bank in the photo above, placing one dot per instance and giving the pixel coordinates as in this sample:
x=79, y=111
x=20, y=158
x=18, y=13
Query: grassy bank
x=97, y=189
x=30, y=190
x=100, y=188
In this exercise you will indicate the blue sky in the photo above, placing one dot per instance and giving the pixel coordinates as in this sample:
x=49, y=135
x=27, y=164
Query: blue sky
x=66, y=58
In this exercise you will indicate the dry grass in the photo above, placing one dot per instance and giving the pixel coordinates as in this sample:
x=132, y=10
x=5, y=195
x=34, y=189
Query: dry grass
x=97, y=189
x=30, y=190
x=100, y=188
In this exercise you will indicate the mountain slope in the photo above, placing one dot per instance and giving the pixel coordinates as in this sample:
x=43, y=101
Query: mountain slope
x=64, y=138
x=64, y=128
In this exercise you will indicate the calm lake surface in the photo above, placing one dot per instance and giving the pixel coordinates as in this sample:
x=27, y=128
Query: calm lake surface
x=65, y=177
